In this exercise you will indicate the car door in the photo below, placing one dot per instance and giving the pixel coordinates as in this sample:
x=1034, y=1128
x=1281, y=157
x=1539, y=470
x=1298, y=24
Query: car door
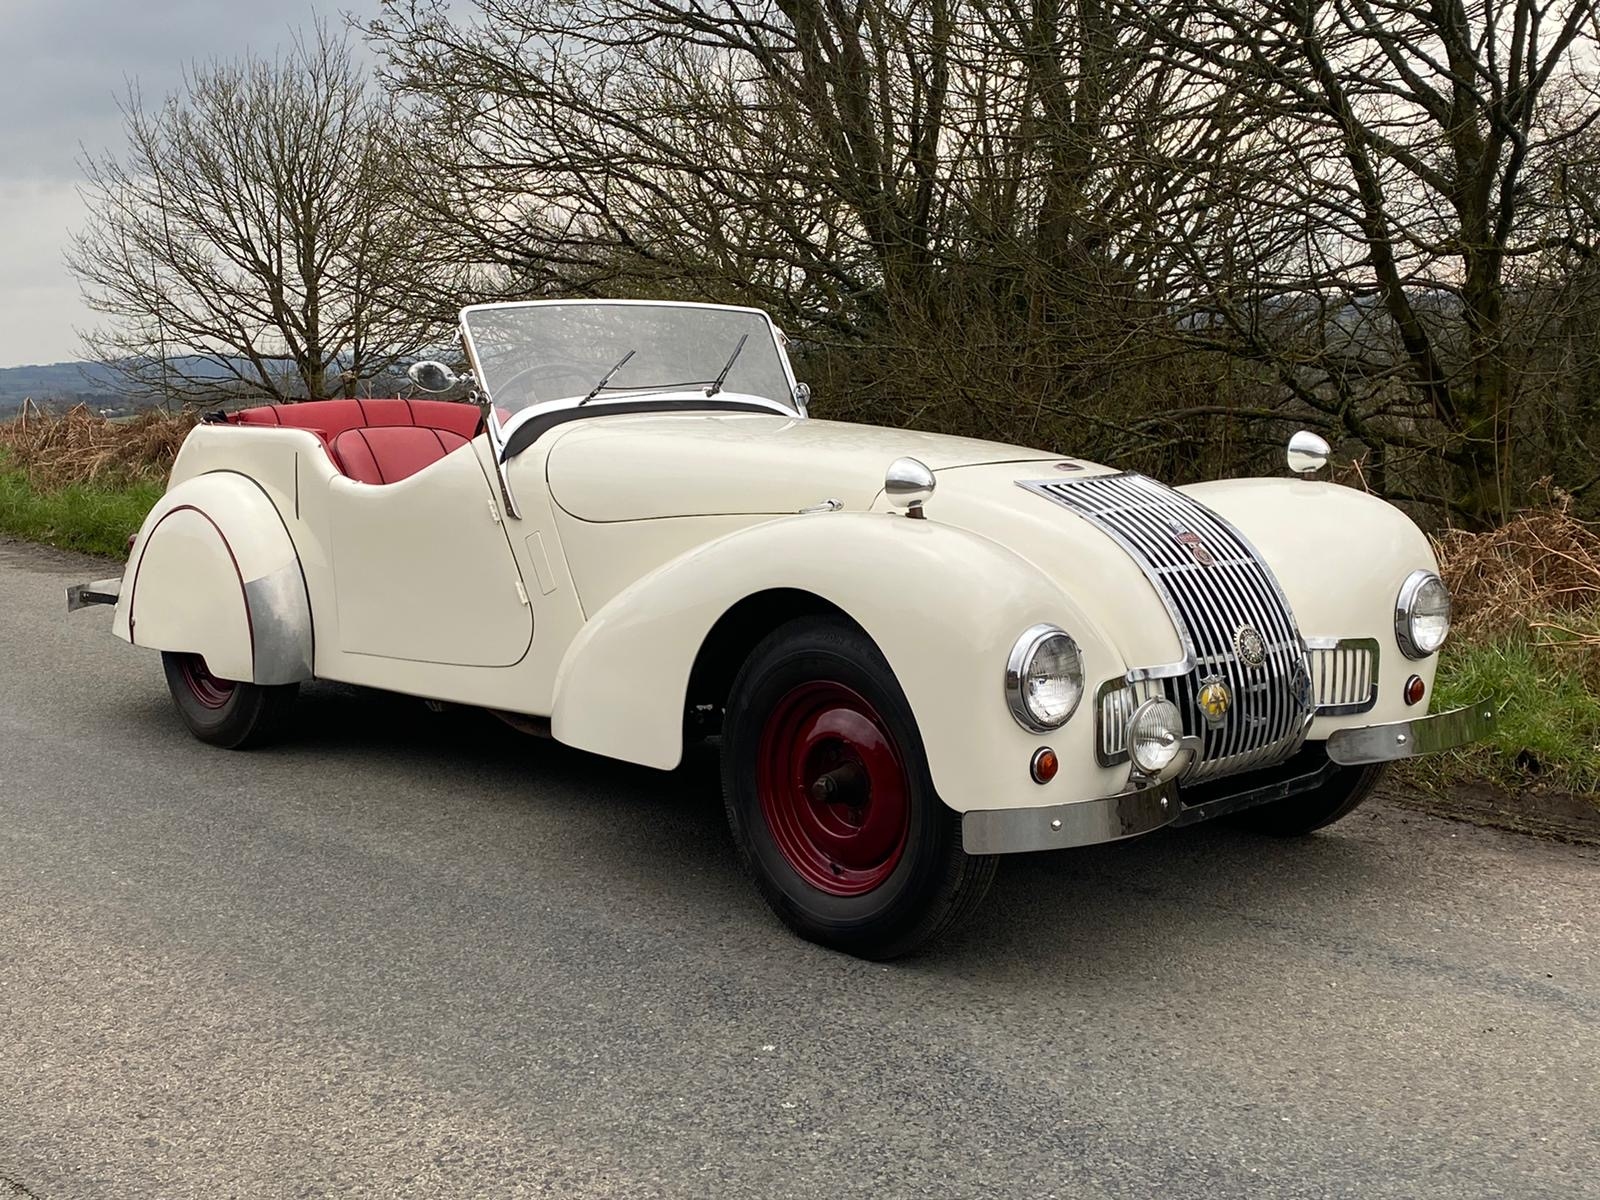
x=423, y=570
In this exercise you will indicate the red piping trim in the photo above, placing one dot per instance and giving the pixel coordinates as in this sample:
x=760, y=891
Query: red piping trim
x=133, y=596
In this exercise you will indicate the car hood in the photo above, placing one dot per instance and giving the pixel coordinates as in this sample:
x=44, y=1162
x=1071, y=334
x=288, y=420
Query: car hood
x=638, y=467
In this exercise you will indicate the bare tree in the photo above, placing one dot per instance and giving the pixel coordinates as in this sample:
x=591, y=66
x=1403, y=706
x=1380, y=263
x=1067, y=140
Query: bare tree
x=1367, y=214
x=250, y=241
x=1160, y=230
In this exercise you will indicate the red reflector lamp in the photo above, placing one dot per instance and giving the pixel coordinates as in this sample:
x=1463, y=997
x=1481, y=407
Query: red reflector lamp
x=1414, y=690
x=1045, y=765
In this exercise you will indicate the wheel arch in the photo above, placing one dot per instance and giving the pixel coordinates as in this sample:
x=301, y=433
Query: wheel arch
x=741, y=629
x=215, y=572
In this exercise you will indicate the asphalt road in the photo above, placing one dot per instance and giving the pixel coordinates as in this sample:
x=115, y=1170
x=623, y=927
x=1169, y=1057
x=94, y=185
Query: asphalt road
x=420, y=955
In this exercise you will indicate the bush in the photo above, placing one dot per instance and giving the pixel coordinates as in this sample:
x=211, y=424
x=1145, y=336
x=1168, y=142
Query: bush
x=1527, y=629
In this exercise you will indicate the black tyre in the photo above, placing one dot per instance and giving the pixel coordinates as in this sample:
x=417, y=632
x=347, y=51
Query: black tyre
x=1301, y=814
x=236, y=716
x=829, y=798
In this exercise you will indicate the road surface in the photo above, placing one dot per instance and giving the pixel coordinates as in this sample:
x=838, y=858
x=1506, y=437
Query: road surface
x=419, y=955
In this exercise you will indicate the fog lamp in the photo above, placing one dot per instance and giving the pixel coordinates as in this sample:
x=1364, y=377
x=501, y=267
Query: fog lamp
x=1155, y=735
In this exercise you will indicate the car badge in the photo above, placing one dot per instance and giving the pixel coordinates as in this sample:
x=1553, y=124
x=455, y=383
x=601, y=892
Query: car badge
x=1215, y=699
x=1250, y=647
x=1191, y=542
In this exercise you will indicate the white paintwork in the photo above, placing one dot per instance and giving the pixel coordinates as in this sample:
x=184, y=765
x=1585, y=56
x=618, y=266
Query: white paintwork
x=473, y=611
x=636, y=533
x=631, y=467
x=214, y=572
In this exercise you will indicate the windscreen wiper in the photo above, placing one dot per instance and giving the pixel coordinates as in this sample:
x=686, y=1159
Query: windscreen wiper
x=716, y=384
x=606, y=378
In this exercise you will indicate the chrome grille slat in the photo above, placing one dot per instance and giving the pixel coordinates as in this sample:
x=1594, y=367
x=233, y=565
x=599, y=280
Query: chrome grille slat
x=1209, y=604
x=1344, y=674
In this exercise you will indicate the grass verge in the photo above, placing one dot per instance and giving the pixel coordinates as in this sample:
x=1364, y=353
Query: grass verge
x=95, y=517
x=1548, y=734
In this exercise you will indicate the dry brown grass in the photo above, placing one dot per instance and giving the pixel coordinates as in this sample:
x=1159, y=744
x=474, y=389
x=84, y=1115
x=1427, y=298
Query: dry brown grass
x=1539, y=571
x=81, y=447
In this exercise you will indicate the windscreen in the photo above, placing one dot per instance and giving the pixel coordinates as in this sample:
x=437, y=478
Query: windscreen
x=529, y=354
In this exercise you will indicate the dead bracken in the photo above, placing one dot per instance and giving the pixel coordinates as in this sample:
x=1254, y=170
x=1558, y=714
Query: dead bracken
x=80, y=446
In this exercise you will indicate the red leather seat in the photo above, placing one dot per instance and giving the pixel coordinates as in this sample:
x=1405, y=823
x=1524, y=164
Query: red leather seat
x=390, y=453
x=375, y=441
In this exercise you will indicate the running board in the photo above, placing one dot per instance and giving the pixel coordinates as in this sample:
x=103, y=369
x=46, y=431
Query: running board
x=101, y=591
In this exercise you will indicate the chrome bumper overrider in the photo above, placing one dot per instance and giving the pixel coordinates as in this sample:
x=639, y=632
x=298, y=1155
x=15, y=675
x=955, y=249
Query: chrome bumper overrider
x=1407, y=739
x=1144, y=810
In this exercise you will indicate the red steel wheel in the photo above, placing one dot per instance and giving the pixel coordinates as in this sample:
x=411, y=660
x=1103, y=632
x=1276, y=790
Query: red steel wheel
x=207, y=689
x=829, y=797
x=221, y=711
x=833, y=788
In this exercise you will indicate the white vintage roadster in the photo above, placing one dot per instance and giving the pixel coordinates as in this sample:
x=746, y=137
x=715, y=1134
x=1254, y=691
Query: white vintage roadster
x=919, y=652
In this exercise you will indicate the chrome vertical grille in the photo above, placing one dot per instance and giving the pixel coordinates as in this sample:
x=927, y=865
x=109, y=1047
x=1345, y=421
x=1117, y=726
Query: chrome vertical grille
x=1218, y=592
x=1344, y=674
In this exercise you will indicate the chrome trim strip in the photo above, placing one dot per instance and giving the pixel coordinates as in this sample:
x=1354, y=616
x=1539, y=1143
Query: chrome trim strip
x=1409, y=739
x=1062, y=826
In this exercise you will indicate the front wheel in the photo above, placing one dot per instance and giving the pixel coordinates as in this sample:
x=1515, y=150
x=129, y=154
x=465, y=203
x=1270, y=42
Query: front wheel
x=236, y=716
x=830, y=801
x=1305, y=812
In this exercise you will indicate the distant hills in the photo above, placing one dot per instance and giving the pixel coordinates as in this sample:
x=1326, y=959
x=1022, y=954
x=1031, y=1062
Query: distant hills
x=56, y=384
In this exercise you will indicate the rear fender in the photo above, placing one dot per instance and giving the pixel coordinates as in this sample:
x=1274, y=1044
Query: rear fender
x=215, y=573
x=943, y=605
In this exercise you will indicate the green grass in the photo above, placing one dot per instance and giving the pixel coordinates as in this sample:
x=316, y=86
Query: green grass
x=95, y=518
x=1549, y=728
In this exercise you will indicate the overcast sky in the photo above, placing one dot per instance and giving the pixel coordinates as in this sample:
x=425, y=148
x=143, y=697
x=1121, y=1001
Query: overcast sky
x=66, y=64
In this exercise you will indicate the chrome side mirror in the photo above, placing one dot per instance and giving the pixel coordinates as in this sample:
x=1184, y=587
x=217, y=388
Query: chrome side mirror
x=802, y=398
x=432, y=376
x=1307, y=453
x=908, y=483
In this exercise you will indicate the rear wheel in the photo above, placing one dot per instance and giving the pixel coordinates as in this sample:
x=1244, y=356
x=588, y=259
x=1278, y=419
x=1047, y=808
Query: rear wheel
x=1306, y=812
x=829, y=798
x=224, y=712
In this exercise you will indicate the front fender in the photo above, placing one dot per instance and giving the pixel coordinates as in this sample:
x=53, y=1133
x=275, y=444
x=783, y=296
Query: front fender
x=215, y=573
x=943, y=605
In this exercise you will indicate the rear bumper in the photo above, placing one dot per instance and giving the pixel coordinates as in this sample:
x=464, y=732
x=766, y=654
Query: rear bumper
x=101, y=591
x=1408, y=739
x=1129, y=814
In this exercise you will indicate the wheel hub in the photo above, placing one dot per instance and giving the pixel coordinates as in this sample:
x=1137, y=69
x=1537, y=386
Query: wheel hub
x=834, y=788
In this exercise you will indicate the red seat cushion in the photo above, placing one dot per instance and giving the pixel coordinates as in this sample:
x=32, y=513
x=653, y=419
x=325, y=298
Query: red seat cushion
x=375, y=441
x=390, y=453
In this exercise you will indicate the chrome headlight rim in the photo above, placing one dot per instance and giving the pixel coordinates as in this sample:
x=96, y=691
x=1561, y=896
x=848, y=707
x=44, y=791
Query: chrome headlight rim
x=1018, y=664
x=1405, y=614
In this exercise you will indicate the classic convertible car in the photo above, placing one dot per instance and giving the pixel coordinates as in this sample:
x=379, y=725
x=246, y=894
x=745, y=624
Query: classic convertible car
x=918, y=652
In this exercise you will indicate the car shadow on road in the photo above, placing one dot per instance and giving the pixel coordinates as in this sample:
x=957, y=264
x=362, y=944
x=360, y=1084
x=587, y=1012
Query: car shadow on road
x=1044, y=908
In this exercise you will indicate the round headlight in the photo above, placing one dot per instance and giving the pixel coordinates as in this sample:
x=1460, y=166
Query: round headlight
x=1422, y=614
x=1044, y=678
x=1155, y=735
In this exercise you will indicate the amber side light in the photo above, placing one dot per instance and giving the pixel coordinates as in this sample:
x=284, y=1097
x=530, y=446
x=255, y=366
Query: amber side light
x=1045, y=765
x=1415, y=689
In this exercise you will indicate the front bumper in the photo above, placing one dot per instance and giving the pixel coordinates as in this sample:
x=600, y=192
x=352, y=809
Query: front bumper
x=1408, y=739
x=1143, y=810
